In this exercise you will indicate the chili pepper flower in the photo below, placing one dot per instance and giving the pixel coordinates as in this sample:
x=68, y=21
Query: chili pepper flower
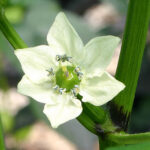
x=56, y=73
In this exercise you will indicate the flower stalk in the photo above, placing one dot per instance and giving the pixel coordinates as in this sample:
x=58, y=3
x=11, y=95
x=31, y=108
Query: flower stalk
x=87, y=122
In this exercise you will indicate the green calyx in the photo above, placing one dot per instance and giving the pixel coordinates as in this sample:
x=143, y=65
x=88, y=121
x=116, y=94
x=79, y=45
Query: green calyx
x=67, y=78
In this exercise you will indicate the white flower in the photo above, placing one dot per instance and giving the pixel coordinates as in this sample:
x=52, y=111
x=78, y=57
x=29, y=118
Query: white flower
x=57, y=73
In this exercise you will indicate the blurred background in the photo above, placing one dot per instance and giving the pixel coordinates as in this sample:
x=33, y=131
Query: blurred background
x=25, y=126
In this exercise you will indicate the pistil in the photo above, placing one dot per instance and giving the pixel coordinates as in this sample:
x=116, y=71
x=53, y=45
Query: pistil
x=67, y=78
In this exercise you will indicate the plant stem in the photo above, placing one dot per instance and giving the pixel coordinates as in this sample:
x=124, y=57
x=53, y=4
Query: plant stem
x=2, y=143
x=124, y=138
x=130, y=59
x=102, y=144
x=9, y=32
x=105, y=143
x=87, y=123
x=96, y=113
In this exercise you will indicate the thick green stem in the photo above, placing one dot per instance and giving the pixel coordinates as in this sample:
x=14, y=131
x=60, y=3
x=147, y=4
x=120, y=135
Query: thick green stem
x=2, y=143
x=9, y=32
x=130, y=59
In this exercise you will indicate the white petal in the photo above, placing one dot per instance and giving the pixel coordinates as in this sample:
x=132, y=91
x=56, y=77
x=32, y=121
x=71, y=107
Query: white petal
x=100, y=89
x=36, y=60
x=99, y=52
x=41, y=92
x=64, y=38
x=66, y=110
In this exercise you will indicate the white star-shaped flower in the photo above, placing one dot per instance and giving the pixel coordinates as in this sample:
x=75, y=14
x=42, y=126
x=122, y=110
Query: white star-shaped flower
x=57, y=73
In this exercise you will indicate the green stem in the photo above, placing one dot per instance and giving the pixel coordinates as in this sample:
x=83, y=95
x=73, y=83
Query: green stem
x=96, y=119
x=9, y=32
x=2, y=143
x=123, y=138
x=130, y=59
x=91, y=117
x=104, y=143
x=97, y=114
x=87, y=122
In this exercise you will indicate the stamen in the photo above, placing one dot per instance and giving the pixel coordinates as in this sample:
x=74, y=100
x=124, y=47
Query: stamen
x=61, y=90
x=58, y=57
x=50, y=71
x=77, y=69
x=63, y=58
x=58, y=89
x=76, y=86
x=78, y=72
x=75, y=90
x=69, y=59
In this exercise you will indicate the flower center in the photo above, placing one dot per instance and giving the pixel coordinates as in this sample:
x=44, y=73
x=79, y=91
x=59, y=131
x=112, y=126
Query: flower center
x=67, y=78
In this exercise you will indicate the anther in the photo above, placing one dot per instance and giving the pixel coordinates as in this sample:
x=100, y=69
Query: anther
x=50, y=71
x=76, y=86
x=77, y=69
x=58, y=57
x=63, y=58
x=78, y=72
x=56, y=88
x=61, y=90
x=69, y=59
x=75, y=90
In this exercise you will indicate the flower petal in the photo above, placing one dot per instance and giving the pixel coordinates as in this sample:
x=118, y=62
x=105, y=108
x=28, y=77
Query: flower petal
x=99, y=52
x=36, y=61
x=40, y=92
x=64, y=38
x=100, y=89
x=67, y=109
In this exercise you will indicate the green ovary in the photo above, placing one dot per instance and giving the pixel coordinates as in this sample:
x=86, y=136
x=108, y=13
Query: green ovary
x=67, y=78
